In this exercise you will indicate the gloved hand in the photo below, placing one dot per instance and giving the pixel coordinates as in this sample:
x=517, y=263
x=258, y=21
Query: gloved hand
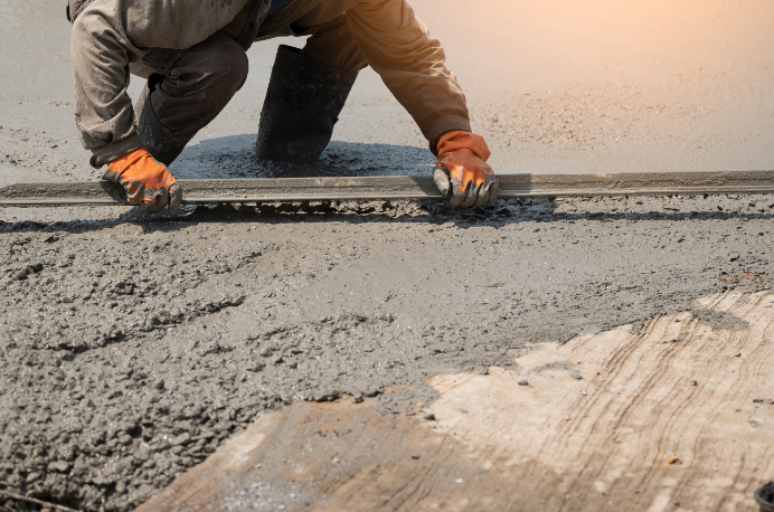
x=462, y=170
x=146, y=181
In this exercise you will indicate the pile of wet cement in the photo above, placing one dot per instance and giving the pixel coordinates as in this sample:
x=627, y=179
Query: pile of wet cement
x=130, y=349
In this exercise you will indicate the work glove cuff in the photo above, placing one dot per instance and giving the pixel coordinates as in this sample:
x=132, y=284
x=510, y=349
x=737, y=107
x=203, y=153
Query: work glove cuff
x=456, y=140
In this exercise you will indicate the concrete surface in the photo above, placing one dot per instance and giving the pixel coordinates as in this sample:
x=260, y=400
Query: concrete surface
x=132, y=346
x=672, y=413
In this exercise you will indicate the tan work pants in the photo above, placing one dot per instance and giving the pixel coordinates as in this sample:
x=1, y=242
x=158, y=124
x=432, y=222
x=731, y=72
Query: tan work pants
x=189, y=88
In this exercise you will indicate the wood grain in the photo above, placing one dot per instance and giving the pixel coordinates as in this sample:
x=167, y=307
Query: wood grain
x=672, y=414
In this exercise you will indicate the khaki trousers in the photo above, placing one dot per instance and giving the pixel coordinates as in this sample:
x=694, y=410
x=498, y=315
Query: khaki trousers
x=189, y=88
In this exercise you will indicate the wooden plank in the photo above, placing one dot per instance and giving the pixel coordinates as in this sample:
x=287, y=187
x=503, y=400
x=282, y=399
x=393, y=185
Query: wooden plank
x=512, y=186
x=674, y=414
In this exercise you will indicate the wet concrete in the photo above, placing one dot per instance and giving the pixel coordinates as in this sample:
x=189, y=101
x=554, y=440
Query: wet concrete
x=132, y=346
x=564, y=442
x=720, y=320
x=554, y=86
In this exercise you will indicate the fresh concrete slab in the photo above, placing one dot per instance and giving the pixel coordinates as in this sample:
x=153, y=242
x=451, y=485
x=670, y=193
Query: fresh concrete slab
x=669, y=414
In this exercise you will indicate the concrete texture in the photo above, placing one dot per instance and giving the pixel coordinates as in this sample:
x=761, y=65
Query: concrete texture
x=553, y=86
x=668, y=416
x=132, y=346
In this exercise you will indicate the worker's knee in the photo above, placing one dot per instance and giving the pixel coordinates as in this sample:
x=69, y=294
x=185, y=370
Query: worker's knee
x=230, y=61
x=233, y=63
x=219, y=62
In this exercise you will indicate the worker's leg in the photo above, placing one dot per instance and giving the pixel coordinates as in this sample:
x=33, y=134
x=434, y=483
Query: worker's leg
x=308, y=88
x=331, y=42
x=185, y=91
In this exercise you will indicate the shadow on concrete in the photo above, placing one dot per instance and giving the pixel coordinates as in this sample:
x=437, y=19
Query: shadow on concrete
x=499, y=213
x=233, y=157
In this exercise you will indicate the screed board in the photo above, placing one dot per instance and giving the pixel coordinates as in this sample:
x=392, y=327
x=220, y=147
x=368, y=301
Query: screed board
x=512, y=186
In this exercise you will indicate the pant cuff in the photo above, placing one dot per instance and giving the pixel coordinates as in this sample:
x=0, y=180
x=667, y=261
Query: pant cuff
x=107, y=154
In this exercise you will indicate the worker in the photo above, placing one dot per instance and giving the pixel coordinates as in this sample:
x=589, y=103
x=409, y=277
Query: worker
x=193, y=55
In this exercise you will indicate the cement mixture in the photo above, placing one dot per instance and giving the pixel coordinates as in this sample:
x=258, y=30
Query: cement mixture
x=131, y=346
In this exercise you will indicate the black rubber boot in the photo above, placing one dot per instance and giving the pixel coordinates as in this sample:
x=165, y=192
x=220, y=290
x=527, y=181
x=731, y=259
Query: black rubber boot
x=302, y=104
x=161, y=142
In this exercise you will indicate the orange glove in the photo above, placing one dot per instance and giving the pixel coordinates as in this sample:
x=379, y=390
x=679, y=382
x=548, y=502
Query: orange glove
x=146, y=181
x=462, y=170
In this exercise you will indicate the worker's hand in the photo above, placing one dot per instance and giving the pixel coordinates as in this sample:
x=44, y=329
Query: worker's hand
x=146, y=181
x=462, y=170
